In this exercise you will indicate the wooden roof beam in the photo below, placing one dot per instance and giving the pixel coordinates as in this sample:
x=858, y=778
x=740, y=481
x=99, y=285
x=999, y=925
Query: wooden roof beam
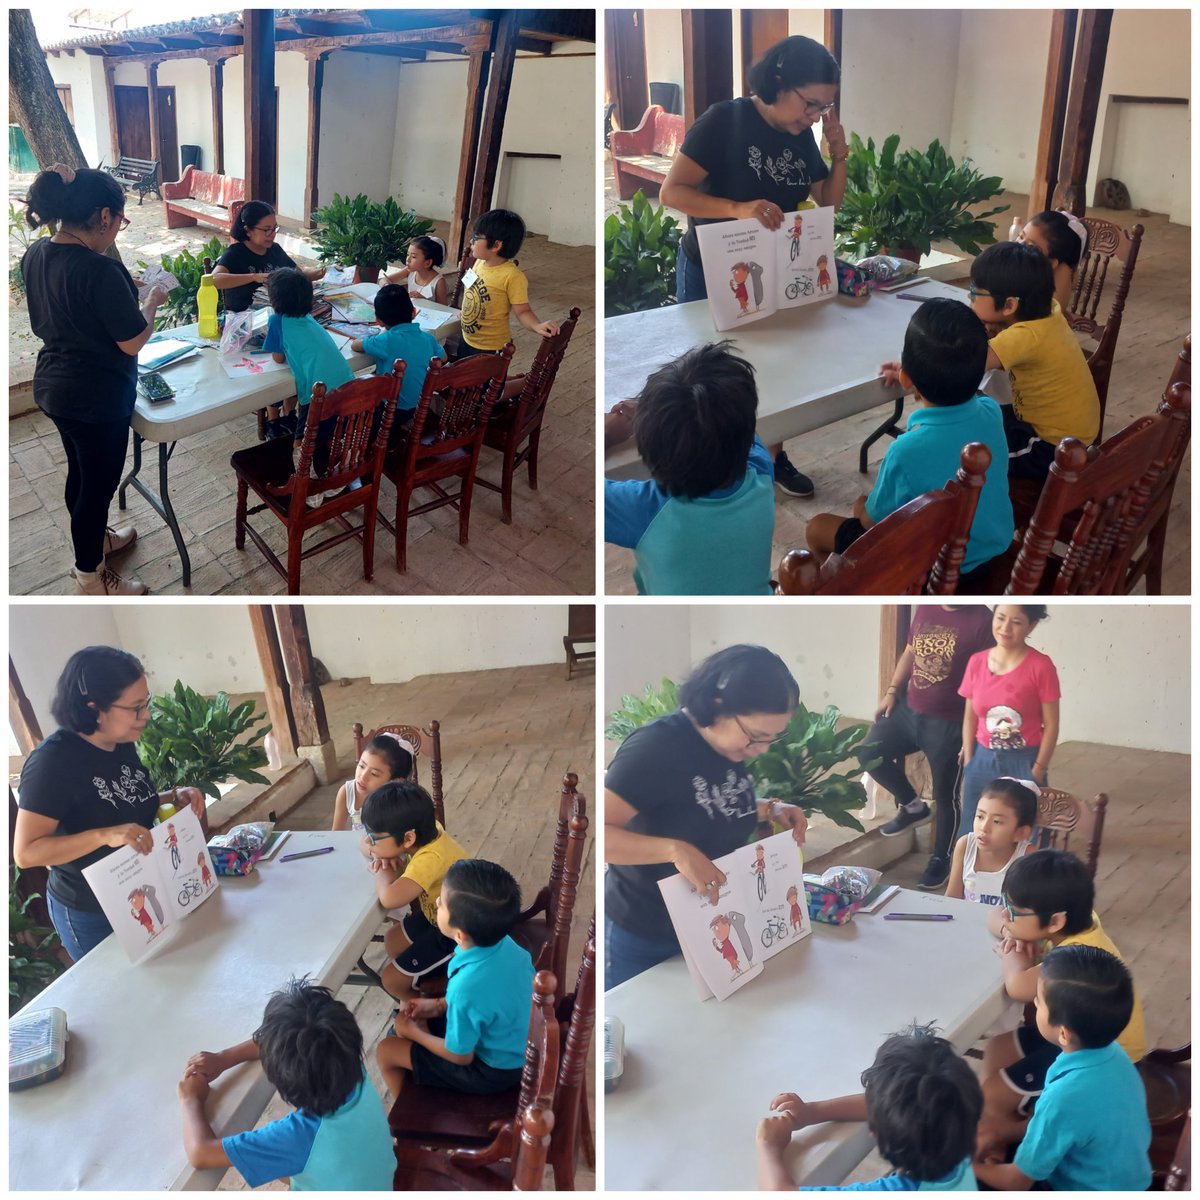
x=563, y=24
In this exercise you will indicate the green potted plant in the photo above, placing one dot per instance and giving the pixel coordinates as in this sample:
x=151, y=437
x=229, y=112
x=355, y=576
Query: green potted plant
x=357, y=231
x=179, y=308
x=641, y=243
x=901, y=203
x=19, y=232
x=798, y=769
x=33, y=959
x=191, y=740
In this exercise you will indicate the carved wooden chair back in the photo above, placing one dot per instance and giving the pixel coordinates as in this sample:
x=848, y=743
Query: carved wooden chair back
x=1065, y=822
x=425, y=743
x=922, y=543
x=1179, y=1175
x=1167, y=1077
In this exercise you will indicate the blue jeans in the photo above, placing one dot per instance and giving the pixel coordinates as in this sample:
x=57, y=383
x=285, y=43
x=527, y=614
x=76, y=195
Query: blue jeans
x=627, y=954
x=986, y=765
x=80, y=931
x=689, y=279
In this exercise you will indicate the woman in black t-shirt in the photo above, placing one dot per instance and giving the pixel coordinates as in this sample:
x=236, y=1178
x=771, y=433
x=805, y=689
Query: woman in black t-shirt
x=252, y=257
x=756, y=157
x=84, y=791
x=676, y=796
x=83, y=305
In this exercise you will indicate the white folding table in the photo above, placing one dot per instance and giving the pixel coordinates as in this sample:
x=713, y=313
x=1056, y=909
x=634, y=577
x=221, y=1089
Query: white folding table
x=111, y=1121
x=700, y=1074
x=813, y=365
x=205, y=396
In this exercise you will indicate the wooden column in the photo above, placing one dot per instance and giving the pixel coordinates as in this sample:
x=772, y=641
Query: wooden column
x=216, y=83
x=477, y=80
x=109, y=69
x=262, y=132
x=894, y=622
x=21, y=716
x=1091, y=49
x=504, y=53
x=761, y=29
x=155, y=131
x=1054, y=110
x=625, y=64
x=312, y=729
x=707, y=60
x=316, y=81
x=832, y=38
x=275, y=684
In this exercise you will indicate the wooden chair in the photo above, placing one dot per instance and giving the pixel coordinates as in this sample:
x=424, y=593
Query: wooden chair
x=362, y=410
x=581, y=631
x=921, y=544
x=447, y=1120
x=1167, y=1078
x=1106, y=242
x=444, y=445
x=425, y=743
x=515, y=1159
x=515, y=426
x=1103, y=503
x=1179, y=1175
x=1064, y=822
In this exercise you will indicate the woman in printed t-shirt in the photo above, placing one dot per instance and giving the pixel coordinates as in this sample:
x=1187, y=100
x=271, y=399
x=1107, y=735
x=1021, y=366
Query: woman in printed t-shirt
x=253, y=256
x=756, y=156
x=677, y=796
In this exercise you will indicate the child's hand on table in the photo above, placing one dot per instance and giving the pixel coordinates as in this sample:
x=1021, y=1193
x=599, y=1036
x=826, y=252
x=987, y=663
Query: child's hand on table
x=889, y=374
x=774, y=1131
x=618, y=424
x=193, y=1087
x=208, y=1064
x=788, y=1104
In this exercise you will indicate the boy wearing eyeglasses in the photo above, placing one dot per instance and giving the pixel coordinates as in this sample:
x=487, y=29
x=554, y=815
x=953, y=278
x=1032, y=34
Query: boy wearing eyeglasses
x=1048, y=899
x=399, y=823
x=1053, y=393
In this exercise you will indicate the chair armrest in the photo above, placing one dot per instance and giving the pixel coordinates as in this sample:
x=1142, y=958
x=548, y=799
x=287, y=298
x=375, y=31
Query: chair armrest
x=181, y=190
x=639, y=140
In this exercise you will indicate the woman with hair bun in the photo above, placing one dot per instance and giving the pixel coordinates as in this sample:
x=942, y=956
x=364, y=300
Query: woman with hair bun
x=83, y=306
x=677, y=795
x=253, y=256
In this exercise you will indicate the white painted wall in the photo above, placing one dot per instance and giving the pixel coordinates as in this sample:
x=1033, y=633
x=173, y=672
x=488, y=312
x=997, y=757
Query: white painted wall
x=233, y=108
x=643, y=644
x=664, y=45
x=431, y=105
x=291, y=78
x=193, y=105
x=84, y=75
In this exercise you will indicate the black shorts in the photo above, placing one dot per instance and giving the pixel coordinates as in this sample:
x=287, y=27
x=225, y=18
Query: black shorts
x=848, y=532
x=476, y=1076
x=1027, y=1076
x=1029, y=457
x=429, y=948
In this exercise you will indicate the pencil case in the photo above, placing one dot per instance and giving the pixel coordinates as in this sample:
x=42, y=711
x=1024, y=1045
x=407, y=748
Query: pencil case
x=851, y=281
x=37, y=1048
x=236, y=852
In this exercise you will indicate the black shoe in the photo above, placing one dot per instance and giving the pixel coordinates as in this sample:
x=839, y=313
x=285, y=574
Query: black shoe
x=905, y=820
x=789, y=480
x=936, y=873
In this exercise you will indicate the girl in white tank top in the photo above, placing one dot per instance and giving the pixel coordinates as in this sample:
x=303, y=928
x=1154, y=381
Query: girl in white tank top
x=420, y=272
x=1001, y=834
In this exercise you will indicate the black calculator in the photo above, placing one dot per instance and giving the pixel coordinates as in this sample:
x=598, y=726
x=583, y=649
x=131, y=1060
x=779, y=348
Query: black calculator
x=154, y=387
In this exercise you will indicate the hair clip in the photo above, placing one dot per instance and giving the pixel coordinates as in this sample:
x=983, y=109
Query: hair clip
x=723, y=681
x=83, y=683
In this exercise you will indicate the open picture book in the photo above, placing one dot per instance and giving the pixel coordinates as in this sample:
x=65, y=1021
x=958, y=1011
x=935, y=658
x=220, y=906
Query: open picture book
x=761, y=909
x=751, y=271
x=144, y=896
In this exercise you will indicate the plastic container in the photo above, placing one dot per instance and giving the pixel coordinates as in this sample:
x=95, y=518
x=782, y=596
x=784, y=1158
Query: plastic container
x=166, y=811
x=1015, y=229
x=206, y=306
x=614, y=1052
x=37, y=1047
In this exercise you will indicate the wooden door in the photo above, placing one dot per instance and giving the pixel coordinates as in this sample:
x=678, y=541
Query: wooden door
x=133, y=120
x=168, y=136
x=625, y=51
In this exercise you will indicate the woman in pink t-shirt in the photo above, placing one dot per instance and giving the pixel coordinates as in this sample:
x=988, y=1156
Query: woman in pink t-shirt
x=1010, y=723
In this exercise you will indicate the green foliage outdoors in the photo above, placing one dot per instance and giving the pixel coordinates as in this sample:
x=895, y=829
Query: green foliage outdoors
x=359, y=232
x=179, y=308
x=909, y=200
x=32, y=961
x=635, y=711
x=19, y=232
x=193, y=741
x=641, y=244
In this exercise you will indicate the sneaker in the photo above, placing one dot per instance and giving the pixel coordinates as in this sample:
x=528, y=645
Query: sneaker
x=116, y=540
x=936, y=873
x=106, y=582
x=789, y=480
x=906, y=820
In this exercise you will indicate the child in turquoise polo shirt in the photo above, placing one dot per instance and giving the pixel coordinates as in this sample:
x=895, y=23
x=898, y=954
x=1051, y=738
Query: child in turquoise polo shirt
x=474, y=1039
x=945, y=348
x=1090, y=1131
x=702, y=524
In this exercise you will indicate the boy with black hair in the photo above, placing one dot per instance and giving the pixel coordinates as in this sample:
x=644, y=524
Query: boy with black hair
x=400, y=824
x=1053, y=393
x=945, y=347
x=295, y=337
x=474, y=1039
x=1048, y=898
x=920, y=1100
x=404, y=340
x=495, y=286
x=702, y=524
x=311, y=1049
x=1090, y=1131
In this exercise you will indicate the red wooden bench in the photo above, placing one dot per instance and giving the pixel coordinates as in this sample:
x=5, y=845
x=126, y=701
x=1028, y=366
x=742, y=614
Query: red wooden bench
x=645, y=153
x=202, y=198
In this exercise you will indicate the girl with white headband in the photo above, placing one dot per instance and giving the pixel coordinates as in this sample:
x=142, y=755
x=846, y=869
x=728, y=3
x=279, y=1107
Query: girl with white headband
x=420, y=271
x=1062, y=238
x=1000, y=834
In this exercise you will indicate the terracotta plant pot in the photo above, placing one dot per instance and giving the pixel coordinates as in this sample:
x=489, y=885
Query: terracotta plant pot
x=367, y=273
x=905, y=252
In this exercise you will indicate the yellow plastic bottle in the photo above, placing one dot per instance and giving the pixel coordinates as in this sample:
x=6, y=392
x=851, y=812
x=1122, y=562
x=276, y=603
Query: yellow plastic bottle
x=206, y=304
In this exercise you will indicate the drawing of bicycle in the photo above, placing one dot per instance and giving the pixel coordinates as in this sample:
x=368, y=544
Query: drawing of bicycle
x=762, y=886
x=174, y=857
x=191, y=889
x=775, y=931
x=801, y=286
x=795, y=247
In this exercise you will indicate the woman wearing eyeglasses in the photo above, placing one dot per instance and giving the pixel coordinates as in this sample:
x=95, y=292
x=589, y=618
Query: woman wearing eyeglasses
x=253, y=256
x=756, y=156
x=83, y=306
x=84, y=791
x=677, y=795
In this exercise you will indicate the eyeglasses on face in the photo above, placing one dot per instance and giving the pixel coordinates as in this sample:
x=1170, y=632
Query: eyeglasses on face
x=756, y=739
x=136, y=709
x=376, y=838
x=814, y=108
x=264, y=229
x=1013, y=913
